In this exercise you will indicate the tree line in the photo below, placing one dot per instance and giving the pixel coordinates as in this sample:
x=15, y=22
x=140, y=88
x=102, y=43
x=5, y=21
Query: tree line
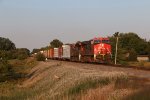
x=53, y=44
x=8, y=51
x=129, y=46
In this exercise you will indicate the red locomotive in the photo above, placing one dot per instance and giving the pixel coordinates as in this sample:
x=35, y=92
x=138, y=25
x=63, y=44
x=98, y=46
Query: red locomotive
x=95, y=50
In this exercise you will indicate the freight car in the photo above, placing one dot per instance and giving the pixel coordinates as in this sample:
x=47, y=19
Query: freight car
x=56, y=53
x=94, y=50
x=66, y=52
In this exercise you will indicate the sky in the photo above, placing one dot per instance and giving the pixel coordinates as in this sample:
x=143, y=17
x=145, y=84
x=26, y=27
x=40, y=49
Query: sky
x=35, y=23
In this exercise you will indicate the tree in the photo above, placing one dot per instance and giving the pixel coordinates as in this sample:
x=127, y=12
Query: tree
x=133, y=41
x=132, y=55
x=56, y=43
x=129, y=43
x=40, y=57
x=6, y=48
x=5, y=70
x=35, y=50
x=6, y=44
x=22, y=53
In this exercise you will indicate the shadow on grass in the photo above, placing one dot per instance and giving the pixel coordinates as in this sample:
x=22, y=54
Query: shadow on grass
x=143, y=94
x=141, y=85
x=87, y=84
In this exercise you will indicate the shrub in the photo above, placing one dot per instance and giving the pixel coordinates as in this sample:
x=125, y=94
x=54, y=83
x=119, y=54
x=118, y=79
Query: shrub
x=133, y=55
x=5, y=70
x=20, y=54
x=124, y=63
x=40, y=57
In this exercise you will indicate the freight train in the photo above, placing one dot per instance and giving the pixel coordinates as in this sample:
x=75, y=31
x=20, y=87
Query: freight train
x=95, y=50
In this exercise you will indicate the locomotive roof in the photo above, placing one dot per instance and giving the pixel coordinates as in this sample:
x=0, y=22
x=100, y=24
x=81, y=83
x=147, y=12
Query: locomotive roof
x=100, y=38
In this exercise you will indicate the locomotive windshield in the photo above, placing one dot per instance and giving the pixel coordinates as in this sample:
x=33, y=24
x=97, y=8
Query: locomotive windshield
x=106, y=41
x=97, y=41
x=101, y=41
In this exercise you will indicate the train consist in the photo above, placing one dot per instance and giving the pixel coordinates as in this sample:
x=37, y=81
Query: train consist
x=95, y=50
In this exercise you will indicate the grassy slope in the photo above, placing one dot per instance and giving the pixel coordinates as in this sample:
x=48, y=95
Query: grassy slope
x=51, y=80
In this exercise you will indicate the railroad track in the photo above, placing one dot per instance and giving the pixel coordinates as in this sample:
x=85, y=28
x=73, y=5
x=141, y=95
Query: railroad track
x=133, y=67
x=112, y=65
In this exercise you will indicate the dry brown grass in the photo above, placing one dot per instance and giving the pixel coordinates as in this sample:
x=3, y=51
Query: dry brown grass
x=44, y=82
x=144, y=64
x=100, y=93
x=60, y=81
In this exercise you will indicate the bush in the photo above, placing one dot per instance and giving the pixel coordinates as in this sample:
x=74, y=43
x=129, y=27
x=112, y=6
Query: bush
x=20, y=53
x=132, y=55
x=5, y=70
x=124, y=63
x=22, y=56
x=40, y=57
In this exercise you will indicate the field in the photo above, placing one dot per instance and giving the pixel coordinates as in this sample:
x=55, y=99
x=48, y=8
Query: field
x=61, y=80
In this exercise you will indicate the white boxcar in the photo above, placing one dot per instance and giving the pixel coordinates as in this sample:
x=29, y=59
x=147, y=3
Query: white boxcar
x=66, y=52
x=55, y=52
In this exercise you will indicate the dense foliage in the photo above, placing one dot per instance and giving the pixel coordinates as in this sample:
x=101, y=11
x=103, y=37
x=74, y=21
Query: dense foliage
x=56, y=43
x=19, y=53
x=5, y=70
x=8, y=51
x=35, y=50
x=22, y=53
x=40, y=57
x=53, y=44
x=130, y=45
x=6, y=44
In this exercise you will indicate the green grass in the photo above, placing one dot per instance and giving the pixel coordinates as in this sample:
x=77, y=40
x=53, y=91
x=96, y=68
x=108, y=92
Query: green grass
x=9, y=89
x=87, y=84
x=81, y=87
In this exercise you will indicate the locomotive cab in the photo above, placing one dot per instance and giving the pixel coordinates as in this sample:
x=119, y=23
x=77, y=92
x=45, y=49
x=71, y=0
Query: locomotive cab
x=102, y=49
x=95, y=50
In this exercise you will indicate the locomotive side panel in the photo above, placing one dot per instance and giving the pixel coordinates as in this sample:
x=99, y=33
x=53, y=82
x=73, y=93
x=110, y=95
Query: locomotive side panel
x=86, y=51
x=75, y=56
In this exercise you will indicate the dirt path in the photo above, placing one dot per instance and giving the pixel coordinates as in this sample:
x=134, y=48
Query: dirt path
x=99, y=67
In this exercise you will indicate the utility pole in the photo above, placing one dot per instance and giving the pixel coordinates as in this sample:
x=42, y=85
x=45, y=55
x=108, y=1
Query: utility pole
x=117, y=37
